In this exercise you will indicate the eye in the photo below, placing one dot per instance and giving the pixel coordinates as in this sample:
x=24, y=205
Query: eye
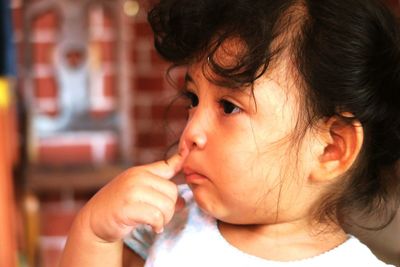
x=228, y=107
x=192, y=98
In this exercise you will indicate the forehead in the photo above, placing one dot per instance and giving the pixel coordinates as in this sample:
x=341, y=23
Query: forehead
x=280, y=71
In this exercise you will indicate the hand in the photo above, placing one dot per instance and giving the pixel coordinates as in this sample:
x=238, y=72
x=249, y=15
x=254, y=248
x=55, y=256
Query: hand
x=140, y=195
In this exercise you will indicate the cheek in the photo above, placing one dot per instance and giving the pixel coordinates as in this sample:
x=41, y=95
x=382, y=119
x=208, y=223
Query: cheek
x=252, y=158
x=249, y=177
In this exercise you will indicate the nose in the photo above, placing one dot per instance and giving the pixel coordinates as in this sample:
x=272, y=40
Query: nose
x=194, y=135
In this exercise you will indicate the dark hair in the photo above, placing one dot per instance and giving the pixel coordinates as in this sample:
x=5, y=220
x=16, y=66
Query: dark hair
x=346, y=54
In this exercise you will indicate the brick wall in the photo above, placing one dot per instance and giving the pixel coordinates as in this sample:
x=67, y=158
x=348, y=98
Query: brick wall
x=151, y=95
x=148, y=94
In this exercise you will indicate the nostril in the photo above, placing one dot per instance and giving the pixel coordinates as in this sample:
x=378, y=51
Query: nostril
x=199, y=141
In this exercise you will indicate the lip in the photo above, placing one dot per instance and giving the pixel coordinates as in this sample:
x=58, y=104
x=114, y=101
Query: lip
x=193, y=177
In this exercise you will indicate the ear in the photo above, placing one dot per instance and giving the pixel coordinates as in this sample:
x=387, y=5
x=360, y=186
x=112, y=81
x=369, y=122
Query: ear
x=342, y=143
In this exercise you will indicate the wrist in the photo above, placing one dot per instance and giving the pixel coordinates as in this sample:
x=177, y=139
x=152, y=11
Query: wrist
x=86, y=227
x=98, y=228
x=98, y=251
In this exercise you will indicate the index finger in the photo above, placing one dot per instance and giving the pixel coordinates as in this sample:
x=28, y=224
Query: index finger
x=168, y=168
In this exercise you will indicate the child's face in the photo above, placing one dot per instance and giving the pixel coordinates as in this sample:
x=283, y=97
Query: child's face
x=241, y=159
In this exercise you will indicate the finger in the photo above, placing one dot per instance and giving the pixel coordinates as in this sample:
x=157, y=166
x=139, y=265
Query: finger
x=168, y=168
x=165, y=204
x=144, y=213
x=164, y=186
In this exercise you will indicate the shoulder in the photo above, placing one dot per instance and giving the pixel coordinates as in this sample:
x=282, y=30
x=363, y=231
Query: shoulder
x=354, y=253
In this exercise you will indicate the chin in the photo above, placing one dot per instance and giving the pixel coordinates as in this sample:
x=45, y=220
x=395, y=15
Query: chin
x=215, y=208
x=206, y=201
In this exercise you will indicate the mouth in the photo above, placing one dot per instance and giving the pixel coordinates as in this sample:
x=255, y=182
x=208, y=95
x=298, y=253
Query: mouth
x=193, y=177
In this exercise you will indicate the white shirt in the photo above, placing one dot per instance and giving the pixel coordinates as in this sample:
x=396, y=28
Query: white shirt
x=193, y=239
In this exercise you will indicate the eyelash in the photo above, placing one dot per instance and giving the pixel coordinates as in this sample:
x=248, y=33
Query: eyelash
x=192, y=98
x=227, y=107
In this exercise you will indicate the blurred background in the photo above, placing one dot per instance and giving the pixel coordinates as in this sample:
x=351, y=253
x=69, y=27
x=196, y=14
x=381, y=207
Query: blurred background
x=83, y=96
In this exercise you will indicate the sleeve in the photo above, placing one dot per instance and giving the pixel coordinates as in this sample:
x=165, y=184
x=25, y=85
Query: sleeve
x=140, y=240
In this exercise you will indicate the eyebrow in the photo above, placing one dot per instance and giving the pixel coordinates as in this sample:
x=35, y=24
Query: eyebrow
x=188, y=79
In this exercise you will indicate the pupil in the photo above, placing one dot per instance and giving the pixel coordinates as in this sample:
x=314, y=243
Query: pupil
x=195, y=100
x=228, y=107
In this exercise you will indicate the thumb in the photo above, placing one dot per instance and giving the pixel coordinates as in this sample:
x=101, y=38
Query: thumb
x=168, y=168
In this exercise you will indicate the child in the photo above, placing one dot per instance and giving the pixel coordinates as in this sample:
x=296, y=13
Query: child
x=293, y=126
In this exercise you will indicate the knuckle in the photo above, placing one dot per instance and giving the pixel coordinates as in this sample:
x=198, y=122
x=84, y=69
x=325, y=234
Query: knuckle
x=157, y=217
x=133, y=174
x=169, y=209
x=132, y=194
x=174, y=190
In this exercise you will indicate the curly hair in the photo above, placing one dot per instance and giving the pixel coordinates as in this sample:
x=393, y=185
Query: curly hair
x=347, y=56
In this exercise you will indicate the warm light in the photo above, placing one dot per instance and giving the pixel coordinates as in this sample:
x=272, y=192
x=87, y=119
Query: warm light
x=4, y=94
x=131, y=8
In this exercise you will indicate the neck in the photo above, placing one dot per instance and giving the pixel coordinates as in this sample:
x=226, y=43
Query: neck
x=284, y=241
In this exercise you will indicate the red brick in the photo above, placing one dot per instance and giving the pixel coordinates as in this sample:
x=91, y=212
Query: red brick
x=55, y=219
x=174, y=131
x=133, y=56
x=48, y=19
x=170, y=111
x=142, y=29
x=140, y=112
x=99, y=114
x=17, y=18
x=111, y=152
x=108, y=22
x=65, y=155
x=42, y=53
x=45, y=87
x=177, y=111
x=149, y=83
x=148, y=155
x=151, y=139
x=158, y=112
x=107, y=51
x=110, y=86
x=73, y=154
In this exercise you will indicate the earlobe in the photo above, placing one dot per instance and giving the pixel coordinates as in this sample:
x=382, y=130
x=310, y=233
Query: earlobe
x=342, y=145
